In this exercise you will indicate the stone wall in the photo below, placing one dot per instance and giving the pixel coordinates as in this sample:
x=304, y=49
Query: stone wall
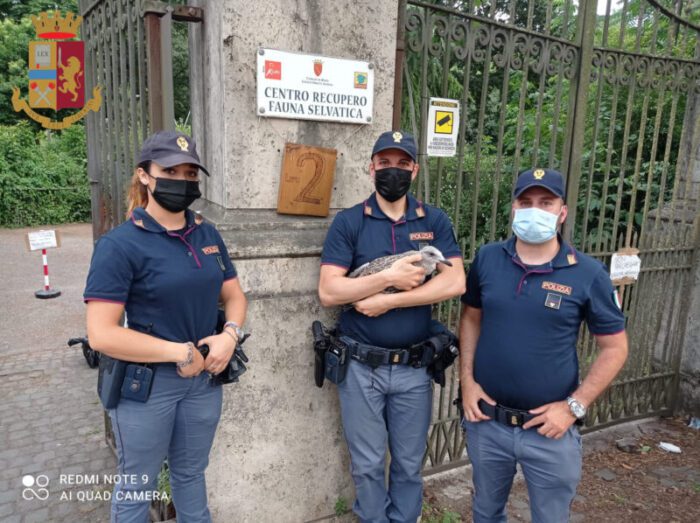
x=689, y=399
x=279, y=454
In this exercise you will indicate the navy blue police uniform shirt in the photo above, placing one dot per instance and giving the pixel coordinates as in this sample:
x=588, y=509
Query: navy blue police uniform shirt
x=169, y=281
x=363, y=233
x=526, y=352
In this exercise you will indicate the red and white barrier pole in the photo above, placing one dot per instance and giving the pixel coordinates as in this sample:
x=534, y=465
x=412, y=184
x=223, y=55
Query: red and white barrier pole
x=46, y=269
x=47, y=292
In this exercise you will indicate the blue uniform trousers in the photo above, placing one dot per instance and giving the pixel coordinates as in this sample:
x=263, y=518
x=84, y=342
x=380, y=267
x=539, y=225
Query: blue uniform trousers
x=552, y=470
x=390, y=404
x=178, y=421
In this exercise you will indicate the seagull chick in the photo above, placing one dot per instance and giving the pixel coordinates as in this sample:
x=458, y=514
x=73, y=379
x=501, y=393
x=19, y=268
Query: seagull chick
x=430, y=258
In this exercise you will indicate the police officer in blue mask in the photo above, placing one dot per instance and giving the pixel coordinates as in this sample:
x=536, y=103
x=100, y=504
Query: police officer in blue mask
x=386, y=401
x=168, y=270
x=525, y=301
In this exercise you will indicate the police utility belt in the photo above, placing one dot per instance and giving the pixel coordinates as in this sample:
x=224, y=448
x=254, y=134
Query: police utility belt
x=505, y=415
x=118, y=379
x=333, y=353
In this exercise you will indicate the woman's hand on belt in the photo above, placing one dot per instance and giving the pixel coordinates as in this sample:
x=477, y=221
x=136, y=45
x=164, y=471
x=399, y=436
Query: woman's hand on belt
x=221, y=348
x=195, y=367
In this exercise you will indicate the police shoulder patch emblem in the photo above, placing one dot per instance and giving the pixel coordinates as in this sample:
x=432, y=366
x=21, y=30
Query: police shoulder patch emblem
x=616, y=299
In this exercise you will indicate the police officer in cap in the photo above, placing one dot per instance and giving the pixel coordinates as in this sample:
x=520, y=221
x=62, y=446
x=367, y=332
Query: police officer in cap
x=525, y=301
x=382, y=402
x=167, y=269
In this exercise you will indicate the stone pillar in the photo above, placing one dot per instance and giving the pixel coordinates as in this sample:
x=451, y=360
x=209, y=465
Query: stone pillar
x=279, y=453
x=689, y=394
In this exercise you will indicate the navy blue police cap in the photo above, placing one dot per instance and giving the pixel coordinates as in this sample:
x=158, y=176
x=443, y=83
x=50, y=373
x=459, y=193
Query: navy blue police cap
x=396, y=140
x=548, y=179
x=171, y=148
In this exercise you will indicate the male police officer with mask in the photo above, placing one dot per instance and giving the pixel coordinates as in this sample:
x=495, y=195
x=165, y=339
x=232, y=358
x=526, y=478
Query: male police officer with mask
x=525, y=300
x=385, y=401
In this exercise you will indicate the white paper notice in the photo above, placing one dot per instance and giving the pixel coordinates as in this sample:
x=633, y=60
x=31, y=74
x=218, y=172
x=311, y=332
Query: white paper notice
x=42, y=240
x=625, y=266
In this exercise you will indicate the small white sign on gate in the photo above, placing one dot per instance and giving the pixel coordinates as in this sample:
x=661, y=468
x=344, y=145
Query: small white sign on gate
x=625, y=267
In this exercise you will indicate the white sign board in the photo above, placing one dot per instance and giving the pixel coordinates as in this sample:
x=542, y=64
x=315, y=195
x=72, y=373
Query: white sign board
x=443, y=126
x=625, y=266
x=38, y=240
x=313, y=87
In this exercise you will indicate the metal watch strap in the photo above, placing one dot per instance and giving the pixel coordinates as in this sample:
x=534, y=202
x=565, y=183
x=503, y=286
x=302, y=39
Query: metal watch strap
x=190, y=356
x=236, y=328
x=574, y=406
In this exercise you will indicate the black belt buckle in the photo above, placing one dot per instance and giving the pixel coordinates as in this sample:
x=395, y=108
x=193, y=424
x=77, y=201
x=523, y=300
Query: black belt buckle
x=514, y=418
x=415, y=357
x=374, y=358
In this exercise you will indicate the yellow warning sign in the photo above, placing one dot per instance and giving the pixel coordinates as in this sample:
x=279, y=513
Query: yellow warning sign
x=444, y=120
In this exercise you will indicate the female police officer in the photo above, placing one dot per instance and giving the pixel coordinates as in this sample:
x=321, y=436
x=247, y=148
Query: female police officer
x=167, y=269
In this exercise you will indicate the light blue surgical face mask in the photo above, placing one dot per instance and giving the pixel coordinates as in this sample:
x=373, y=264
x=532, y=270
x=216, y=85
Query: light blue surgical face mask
x=534, y=225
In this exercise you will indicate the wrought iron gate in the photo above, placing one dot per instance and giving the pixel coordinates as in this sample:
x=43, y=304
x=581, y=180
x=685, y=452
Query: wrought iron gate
x=611, y=100
x=128, y=54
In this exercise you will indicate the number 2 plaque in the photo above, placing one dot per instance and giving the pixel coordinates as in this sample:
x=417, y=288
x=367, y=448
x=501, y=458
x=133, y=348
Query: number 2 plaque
x=307, y=180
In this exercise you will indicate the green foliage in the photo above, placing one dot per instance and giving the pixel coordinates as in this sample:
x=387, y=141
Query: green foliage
x=14, y=45
x=43, y=176
x=164, y=480
x=17, y=9
x=341, y=506
x=431, y=514
x=518, y=117
x=484, y=199
x=181, y=71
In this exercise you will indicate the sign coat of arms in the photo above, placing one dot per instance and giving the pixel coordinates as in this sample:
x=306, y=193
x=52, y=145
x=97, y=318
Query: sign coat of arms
x=56, y=72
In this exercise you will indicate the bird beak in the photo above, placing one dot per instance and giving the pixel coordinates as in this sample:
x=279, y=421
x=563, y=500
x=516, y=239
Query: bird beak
x=446, y=262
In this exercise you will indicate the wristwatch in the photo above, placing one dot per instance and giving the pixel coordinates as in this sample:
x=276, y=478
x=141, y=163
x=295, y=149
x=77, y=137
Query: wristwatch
x=576, y=407
x=236, y=328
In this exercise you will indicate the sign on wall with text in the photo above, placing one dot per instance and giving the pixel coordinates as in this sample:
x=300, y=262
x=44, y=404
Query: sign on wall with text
x=312, y=87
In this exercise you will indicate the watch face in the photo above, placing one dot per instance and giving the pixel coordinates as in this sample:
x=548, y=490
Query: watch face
x=578, y=410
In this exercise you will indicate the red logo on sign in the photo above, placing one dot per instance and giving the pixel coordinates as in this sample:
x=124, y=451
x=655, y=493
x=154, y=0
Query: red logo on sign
x=273, y=70
x=318, y=67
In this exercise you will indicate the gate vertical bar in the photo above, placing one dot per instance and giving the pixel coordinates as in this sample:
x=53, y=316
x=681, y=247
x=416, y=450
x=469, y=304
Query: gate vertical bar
x=398, y=70
x=578, y=98
x=166, y=68
x=155, y=86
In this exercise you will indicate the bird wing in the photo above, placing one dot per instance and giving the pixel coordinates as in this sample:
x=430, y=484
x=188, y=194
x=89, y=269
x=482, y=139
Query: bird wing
x=378, y=264
x=358, y=272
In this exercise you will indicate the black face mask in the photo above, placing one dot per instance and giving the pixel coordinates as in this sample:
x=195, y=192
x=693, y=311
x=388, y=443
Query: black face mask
x=392, y=183
x=175, y=195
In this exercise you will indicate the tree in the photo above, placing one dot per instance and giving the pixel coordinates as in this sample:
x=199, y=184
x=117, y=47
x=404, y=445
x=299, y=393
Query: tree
x=19, y=9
